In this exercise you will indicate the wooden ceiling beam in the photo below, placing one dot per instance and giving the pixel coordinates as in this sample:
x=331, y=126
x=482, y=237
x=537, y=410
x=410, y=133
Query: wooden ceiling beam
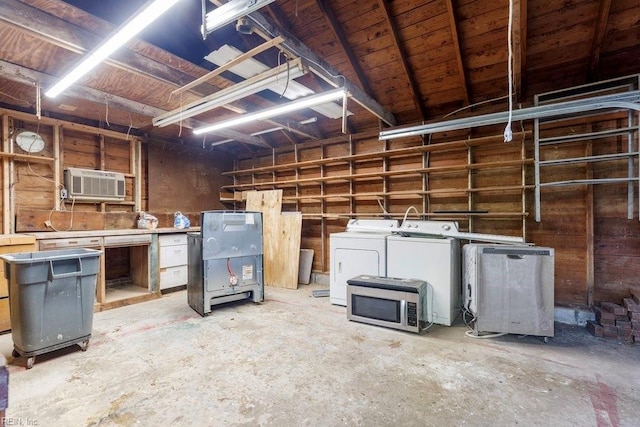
x=278, y=16
x=336, y=29
x=297, y=48
x=519, y=35
x=453, y=24
x=402, y=56
x=598, y=37
x=26, y=76
x=338, y=33
x=75, y=39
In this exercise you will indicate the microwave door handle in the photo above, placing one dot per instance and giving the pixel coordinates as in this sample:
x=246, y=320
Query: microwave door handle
x=403, y=312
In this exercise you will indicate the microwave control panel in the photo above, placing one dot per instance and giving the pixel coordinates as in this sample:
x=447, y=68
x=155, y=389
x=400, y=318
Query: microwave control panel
x=412, y=314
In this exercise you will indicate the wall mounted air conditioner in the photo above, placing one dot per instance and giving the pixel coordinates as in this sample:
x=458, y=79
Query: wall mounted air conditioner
x=89, y=185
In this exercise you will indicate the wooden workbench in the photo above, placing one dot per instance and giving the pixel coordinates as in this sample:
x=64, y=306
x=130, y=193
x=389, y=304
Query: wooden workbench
x=143, y=254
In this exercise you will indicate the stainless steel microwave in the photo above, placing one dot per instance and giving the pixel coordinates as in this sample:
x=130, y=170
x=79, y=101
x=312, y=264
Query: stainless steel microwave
x=388, y=301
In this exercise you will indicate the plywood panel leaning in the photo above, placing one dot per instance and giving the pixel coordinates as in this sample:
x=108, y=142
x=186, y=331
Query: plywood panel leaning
x=281, y=238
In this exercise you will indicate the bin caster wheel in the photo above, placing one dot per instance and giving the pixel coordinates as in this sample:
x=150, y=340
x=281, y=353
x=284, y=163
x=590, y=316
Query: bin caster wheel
x=30, y=362
x=84, y=345
x=15, y=353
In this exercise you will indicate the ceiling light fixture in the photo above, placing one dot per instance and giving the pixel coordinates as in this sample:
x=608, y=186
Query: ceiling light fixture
x=229, y=12
x=136, y=23
x=251, y=67
x=278, y=110
x=272, y=79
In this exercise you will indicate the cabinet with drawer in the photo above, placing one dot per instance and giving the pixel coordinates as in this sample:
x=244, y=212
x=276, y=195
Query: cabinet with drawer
x=9, y=244
x=173, y=261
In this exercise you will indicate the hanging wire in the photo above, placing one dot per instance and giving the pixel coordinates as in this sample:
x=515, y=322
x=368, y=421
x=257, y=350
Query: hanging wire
x=508, y=134
x=130, y=126
x=180, y=131
x=38, y=100
x=106, y=116
x=286, y=84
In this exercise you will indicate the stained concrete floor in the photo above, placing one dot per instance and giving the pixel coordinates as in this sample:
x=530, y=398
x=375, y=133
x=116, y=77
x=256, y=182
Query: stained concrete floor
x=296, y=360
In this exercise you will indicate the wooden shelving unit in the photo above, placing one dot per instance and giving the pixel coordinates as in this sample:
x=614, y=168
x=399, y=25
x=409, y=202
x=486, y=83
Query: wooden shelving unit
x=312, y=186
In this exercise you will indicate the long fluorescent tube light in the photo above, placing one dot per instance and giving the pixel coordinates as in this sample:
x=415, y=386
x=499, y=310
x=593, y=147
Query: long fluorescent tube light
x=229, y=12
x=627, y=100
x=136, y=23
x=278, y=110
x=251, y=67
x=276, y=77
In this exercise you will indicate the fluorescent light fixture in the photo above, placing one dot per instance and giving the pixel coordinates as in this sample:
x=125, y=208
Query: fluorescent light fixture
x=229, y=12
x=274, y=78
x=278, y=110
x=142, y=18
x=251, y=67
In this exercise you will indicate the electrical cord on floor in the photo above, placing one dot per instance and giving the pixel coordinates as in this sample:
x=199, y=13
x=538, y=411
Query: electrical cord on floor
x=471, y=331
x=430, y=308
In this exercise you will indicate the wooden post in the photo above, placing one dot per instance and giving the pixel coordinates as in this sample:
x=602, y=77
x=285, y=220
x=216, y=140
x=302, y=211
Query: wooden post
x=590, y=228
x=56, y=166
x=6, y=215
x=103, y=163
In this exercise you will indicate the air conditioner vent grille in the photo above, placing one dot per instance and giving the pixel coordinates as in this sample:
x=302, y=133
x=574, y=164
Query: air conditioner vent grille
x=87, y=184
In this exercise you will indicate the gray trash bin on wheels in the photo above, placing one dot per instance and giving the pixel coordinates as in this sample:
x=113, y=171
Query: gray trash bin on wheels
x=51, y=296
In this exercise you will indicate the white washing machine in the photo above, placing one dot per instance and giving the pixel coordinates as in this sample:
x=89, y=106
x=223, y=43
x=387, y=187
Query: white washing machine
x=437, y=262
x=354, y=253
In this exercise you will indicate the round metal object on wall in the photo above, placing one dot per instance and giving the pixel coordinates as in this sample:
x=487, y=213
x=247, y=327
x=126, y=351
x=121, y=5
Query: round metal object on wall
x=28, y=141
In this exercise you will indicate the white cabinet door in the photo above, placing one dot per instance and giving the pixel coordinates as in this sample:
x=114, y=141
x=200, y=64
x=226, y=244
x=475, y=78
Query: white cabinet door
x=348, y=264
x=171, y=256
x=173, y=276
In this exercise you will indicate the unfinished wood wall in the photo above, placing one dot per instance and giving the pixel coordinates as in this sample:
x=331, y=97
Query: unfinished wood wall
x=183, y=180
x=597, y=247
x=160, y=177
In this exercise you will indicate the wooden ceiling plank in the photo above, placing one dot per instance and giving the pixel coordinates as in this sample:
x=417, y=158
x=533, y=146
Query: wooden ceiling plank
x=598, y=37
x=53, y=31
x=296, y=47
x=78, y=40
x=453, y=24
x=404, y=62
x=338, y=33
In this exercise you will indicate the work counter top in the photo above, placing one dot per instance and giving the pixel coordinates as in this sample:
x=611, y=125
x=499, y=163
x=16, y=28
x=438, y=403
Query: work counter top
x=107, y=233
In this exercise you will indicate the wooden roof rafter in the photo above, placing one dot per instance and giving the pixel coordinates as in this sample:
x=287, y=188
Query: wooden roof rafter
x=325, y=70
x=458, y=49
x=393, y=31
x=598, y=37
x=75, y=39
x=336, y=29
x=338, y=33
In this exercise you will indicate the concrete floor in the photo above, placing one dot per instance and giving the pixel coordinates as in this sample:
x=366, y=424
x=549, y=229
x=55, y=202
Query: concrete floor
x=296, y=360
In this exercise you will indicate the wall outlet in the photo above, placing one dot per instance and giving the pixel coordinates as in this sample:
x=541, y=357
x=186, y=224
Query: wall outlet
x=47, y=223
x=63, y=193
